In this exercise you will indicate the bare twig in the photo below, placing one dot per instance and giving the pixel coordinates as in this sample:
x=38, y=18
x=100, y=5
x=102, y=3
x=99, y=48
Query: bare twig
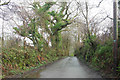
x=5, y=3
x=99, y=3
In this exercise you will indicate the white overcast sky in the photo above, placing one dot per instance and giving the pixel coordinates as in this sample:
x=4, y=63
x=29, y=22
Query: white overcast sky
x=106, y=7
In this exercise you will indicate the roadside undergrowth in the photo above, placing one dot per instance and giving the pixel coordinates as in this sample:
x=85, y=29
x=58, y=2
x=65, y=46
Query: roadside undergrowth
x=99, y=55
x=18, y=60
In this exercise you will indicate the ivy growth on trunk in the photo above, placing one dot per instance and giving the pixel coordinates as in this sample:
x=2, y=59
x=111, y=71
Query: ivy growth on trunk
x=51, y=22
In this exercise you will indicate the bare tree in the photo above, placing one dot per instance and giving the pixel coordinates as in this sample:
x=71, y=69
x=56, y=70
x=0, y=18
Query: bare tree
x=91, y=24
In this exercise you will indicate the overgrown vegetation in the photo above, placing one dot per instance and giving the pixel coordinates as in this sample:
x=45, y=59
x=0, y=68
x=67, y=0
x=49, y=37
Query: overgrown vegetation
x=98, y=53
x=19, y=58
x=97, y=48
x=51, y=37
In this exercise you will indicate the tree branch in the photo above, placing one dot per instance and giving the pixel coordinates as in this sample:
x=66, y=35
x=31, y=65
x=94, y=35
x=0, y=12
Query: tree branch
x=99, y=3
x=5, y=3
x=81, y=10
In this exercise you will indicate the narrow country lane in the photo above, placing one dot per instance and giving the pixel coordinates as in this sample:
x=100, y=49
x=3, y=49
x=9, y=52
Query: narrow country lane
x=69, y=67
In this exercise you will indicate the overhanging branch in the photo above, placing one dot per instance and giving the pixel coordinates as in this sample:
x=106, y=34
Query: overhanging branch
x=5, y=3
x=99, y=3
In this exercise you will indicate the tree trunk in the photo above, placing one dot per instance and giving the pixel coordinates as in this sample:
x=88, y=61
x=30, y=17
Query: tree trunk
x=3, y=33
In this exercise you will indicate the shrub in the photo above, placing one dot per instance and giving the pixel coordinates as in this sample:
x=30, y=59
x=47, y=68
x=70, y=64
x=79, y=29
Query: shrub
x=99, y=55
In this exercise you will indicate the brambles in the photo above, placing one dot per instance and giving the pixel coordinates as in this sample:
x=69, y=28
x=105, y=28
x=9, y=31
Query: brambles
x=17, y=60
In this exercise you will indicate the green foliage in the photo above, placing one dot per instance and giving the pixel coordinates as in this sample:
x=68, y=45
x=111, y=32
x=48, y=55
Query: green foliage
x=16, y=29
x=104, y=54
x=99, y=55
x=30, y=58
x=18, y=60
x=43, y=20
x=88, y=50
x=47, y=6
x=72, y=54
x=60, y=40
x=52, y=13
x=44, y=8
x=57, y=26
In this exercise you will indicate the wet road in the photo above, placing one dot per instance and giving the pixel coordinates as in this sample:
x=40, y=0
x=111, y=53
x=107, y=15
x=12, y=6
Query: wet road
x=69, y=67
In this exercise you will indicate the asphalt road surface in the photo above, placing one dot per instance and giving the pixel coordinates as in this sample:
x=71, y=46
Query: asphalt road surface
x=69, y=67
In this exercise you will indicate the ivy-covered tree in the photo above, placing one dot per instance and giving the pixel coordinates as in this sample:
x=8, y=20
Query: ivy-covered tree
x=50, y=22
x=58, y=22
